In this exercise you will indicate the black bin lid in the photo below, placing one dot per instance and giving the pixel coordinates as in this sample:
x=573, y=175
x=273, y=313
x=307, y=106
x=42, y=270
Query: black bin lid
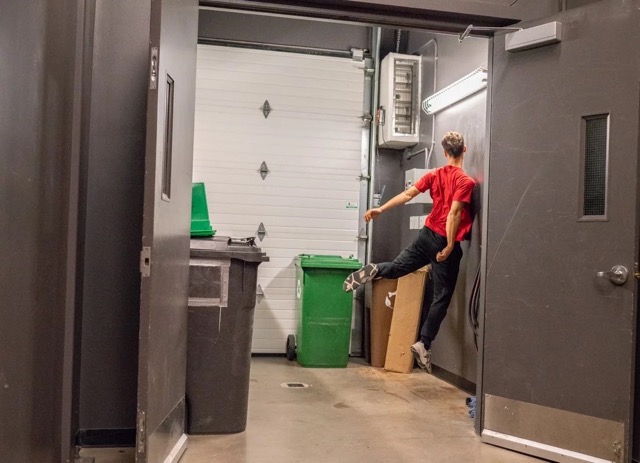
x=228, y=248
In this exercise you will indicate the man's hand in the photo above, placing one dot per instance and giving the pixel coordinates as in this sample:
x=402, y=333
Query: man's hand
x=453, y=222
x=372, y=214
x=442, y=255
x=397, y=200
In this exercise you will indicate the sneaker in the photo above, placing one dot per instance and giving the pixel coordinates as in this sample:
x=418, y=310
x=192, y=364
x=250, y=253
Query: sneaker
x=366, y=273
x=422, y=356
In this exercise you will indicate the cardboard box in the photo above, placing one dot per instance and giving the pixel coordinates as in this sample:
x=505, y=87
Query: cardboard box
x=382, y=300
x=405, y=321
x=367, y=333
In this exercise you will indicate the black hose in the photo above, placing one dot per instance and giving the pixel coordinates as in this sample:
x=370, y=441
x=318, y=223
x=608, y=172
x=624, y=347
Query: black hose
x=474, y=308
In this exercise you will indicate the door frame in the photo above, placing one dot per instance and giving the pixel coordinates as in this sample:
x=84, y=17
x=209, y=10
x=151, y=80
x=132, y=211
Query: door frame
x=378, y=17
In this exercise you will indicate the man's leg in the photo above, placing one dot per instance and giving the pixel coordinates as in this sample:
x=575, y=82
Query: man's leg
x=415, y=256
x=443, y=281
x=445, y=277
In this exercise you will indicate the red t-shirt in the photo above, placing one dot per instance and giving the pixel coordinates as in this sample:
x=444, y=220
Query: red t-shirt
x=447, y=184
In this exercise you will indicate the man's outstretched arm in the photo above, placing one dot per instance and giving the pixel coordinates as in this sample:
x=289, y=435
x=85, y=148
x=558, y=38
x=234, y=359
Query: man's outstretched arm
x=397, y=200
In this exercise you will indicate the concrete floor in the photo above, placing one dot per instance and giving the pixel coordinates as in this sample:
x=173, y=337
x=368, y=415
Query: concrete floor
x=358, y=414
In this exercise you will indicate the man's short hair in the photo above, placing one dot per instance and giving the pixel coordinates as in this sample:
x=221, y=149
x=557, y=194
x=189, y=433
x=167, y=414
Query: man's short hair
x=453, y=143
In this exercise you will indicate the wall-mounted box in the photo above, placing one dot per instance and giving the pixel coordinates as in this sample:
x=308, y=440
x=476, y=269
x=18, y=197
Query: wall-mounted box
x=533, y=37
x=400, y=78
x=410, y=179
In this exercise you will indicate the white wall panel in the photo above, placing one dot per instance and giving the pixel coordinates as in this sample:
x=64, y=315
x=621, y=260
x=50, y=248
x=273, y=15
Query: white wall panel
x=311, y=142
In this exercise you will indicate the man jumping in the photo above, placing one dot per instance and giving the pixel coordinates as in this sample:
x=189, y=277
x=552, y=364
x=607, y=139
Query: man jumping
x=438, y=242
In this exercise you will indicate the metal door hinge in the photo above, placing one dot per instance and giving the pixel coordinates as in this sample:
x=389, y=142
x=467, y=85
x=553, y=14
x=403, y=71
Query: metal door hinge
x=364, y=177
x=153, y=69
x=369, y=67
x=141, y=432
x=362, y=61
x=357, y=54
x=637, y=275
x=145, y=261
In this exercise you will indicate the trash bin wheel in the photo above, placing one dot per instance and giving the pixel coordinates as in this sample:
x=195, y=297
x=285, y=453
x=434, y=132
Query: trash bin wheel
x=291, y=347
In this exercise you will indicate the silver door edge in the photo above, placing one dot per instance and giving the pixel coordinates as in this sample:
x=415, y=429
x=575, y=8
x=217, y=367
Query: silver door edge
x=484, y=243
x=508, y=422
x=537, y=449
x=178, y=450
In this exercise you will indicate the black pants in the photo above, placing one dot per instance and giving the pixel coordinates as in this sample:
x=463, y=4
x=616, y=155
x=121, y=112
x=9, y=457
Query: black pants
x=421, y=252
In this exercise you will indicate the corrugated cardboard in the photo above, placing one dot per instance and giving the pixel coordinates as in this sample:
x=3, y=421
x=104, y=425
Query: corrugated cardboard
x=405, y=321
x=380, y=319
x=367, y=333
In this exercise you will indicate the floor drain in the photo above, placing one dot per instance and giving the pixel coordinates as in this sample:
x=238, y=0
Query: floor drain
x=294, y=385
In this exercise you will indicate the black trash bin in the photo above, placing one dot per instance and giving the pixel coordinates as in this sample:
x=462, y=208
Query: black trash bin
x=222, y=298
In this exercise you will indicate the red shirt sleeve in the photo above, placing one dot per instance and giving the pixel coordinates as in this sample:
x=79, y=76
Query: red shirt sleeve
x=425, y=182
x=464, y=190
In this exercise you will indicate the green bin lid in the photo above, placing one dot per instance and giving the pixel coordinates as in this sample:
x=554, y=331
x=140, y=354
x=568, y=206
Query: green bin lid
x=322, y=261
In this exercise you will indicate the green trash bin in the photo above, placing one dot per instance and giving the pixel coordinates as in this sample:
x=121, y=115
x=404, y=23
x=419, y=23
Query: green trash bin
x=324, y=326
x=200, y=224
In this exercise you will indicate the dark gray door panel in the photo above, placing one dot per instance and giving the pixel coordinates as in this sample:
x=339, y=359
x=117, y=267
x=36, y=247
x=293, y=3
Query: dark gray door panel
x=559, y=341
x=166, y=223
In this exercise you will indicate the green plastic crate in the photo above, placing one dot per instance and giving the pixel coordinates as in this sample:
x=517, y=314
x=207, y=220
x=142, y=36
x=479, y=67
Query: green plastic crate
x=200, y=224
x=324, y=326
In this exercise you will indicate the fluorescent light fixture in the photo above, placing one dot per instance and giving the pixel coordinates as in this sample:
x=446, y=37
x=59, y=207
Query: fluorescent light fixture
x=457, y=91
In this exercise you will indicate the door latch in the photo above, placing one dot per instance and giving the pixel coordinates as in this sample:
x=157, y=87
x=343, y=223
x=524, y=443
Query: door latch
x=153, y=69
x=145, y=261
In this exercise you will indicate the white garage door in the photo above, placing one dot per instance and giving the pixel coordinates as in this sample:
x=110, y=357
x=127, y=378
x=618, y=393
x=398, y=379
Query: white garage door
x=311, y=144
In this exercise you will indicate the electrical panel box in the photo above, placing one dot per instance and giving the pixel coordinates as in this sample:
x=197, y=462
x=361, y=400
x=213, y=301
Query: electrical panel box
x=410, y=179
x=399, y=117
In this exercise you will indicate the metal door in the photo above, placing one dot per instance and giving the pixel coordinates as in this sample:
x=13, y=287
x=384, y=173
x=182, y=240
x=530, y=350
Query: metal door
x=559, y=337
x=165, y=255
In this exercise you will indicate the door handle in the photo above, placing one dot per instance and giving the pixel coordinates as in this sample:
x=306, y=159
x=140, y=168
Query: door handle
x=618, y=274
